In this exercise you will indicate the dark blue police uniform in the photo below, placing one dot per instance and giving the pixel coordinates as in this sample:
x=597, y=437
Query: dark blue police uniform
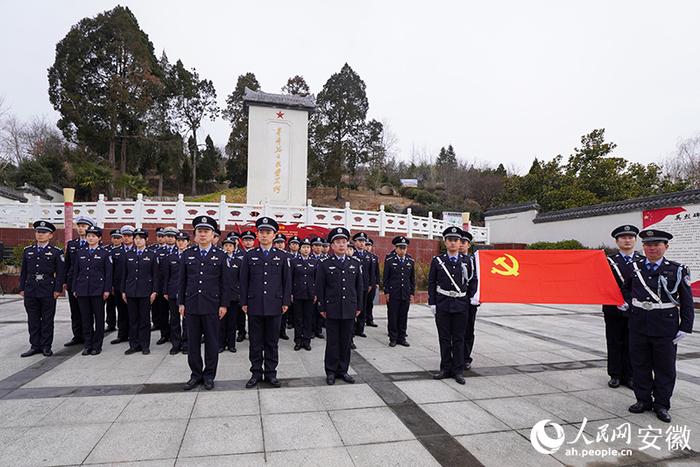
x=171, y=278
x=368, y=282
x=118, y=265
x=42, y=275
x=399, y=285
x=303, y=293
x=229, y=323
x=72, y=246
x=140, y=280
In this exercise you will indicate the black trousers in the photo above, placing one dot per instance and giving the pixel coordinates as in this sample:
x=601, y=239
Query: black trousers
x=111, y=311
x=658, y=355
x=369, y=315
x=228, y=326
x=617, y=339
x=319, y=321
x=469, y=334
x=139, y=324
x=207, y=326
x=286, y=317
x=92, y=316
x=240, y=322
x=397, y=312
x=264, y=335
x=451, y=328
x=122, y=316
x=361, y=319
x=303, y=313
x=338, y=338
x=75, y=322
x=40, y=316
x=163, y=312
x=178, y=333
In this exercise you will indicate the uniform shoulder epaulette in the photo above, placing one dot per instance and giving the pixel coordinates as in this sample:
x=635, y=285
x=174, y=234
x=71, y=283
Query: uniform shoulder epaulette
x=29, y=246
x=356, y=259
x=323, y=258
x=191, y=247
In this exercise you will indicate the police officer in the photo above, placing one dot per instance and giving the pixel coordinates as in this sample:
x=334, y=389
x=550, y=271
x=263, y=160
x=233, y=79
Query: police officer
x=72, y=246
x=139, y=285
x=41, y=283
x=171, y=276
x=326, y=249
x=340, y=289
x=111, y=311
x=616, y=321
x=227, y=334
x=266, y=289
x=92, y=285
x=399, y=288
x=368, y=276
x=247, y=240
x=319, y=321
x=279, y=243
x=118, y=265
x=451, y=285
x=202, y=299
x=467, y=257
x=303, y=295
x=294, y=245
x=161, y=303
x=369, y=319
x=660, y=302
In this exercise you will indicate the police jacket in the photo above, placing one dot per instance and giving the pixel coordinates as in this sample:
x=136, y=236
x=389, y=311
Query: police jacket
x=234, y=276
x=170, y=269
x=141, y=273
x=92, y=272
x=443, y=276
x=620, y=269
x=266, y=281
x=118, y=254
x=162, y=254
x=369, y=263
x=71, y=248
x=303, y=277
x=399, y=277
x=660, y=302
x=202, y=281
x=340, y=287
x=43, y=271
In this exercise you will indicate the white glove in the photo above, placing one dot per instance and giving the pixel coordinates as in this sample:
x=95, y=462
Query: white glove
x=624, y=307
x=680, y=335
x=475, y=302
x=433, y=309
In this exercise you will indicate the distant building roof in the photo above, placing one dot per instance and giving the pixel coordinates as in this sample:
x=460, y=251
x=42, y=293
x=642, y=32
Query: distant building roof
x=289, y=101
x=10, y=193
x=512, y=208
x=637, y=204
x=27, y=188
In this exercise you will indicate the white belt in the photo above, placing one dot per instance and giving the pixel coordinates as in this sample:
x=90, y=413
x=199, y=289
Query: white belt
x=451, y=293
x=651, y=305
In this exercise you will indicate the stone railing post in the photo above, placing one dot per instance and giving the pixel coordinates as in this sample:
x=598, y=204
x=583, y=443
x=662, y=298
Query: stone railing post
x=382, y=220
x=409, y=221
x=430, y=225
x=222, y=213
x=100, y=210
x=180, y=209
x=348, y=215
x=308, y=213
x=138, y=211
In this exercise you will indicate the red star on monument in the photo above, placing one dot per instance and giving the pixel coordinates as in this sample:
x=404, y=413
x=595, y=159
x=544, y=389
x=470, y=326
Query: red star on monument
x=280, y=114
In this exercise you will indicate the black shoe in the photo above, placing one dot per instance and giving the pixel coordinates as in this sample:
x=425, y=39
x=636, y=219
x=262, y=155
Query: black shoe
x=663, y=415
x=319, y=335
x=73, y=341
x=240, y=338
x=47, y=352
x=184, y=351
x=460, y=379
x=330, y=380
x=441, y=375
x=117, y=341
x=614, y=382
x=361, y=334
x=290, y=325
x=174, y=351
x=353, y=346
x=404, y=343
x=162, y=341
x=95, y=351
x=347, y=378
x=30, y=352
x=372, y=325
x=110, y=328
x=252, y=382
x=297, y=347
x=208, y=384
x=232, y=349
x=468, y=366
x=154, y=328
x=639, y=407
x=85, y=352
x=273, y=381
x=130, y=350
x=392, y=343
x=146, y=351
x=221, y=349
x=629, y=383
x=307, y=346
x=284, y=336
x=192, y=383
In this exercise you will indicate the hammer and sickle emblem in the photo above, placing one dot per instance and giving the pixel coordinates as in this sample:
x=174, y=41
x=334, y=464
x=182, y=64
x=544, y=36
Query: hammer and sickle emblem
x=508, y=269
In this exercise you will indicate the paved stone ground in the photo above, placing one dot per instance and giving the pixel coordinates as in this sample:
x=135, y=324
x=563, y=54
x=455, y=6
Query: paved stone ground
x=531, y=363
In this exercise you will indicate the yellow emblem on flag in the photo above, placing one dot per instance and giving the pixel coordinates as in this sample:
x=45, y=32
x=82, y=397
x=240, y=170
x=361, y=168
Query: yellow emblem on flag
x=507, y=269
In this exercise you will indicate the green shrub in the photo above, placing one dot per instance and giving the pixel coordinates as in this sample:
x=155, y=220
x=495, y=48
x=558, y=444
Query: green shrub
x=561, y=245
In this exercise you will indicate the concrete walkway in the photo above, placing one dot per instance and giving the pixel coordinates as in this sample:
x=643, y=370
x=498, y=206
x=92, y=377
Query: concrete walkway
x=531, y=363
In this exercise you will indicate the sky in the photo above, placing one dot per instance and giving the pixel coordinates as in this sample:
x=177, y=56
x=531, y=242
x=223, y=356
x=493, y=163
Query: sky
x=502, y=81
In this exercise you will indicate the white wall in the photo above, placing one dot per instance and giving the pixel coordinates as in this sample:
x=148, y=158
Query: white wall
x=287, y=186
x=590, y=231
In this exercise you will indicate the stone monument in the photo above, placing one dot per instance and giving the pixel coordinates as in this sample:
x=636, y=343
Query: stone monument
x=278, y=134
